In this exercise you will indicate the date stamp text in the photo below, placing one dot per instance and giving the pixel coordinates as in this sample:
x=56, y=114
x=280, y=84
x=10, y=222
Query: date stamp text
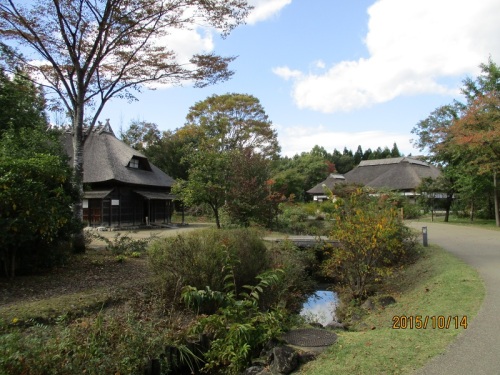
x=429, y=322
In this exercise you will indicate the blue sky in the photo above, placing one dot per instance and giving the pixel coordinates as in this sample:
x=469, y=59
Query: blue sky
x=337, y=73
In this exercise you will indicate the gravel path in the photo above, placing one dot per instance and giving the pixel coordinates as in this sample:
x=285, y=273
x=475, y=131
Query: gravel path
x=477, y=350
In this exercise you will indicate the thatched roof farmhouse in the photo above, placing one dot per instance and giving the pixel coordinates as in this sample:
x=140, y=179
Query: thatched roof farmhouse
x=319, y=192
x=403, y=174
x=121, y=186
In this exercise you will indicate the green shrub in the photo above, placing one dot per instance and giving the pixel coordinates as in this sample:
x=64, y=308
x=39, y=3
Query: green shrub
x=304, y=219
x=35, y=210
x=292, y=218
x=297, y=282
x=327, y=207
x=239, y=329
x=92, y=345
x=124, y=244
x=200, y=258
x=311, y=208
x=372, y=238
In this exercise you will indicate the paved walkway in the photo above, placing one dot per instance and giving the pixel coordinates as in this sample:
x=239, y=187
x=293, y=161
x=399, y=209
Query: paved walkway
x=477, y=350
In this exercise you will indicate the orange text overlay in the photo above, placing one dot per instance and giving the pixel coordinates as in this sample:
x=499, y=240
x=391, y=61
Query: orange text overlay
x=429, y=322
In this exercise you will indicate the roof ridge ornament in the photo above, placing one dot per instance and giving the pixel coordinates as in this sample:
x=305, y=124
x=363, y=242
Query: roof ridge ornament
x=106, y=128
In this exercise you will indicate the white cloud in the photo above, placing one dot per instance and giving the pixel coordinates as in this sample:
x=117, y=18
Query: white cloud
x=411, y=45
x=320, y=64
x=264, y=9
x=297, y=139
x=195, y=40
x=286, y=73
x=188, y=42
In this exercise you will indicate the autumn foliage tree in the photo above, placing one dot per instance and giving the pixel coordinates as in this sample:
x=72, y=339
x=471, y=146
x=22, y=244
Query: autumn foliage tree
x=247, y=197
x=88, y=52
x=463, y=137
x=478, y=131
x=372, y=239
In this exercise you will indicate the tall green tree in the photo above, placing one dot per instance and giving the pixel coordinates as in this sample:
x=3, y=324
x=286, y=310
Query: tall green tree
x=22, y=104
x=229, y=127
x=300, y=173
x=207, y=182
x=35, y=180
x=141, y=135
x=35, y=198
x=344, y=161
x=235, y=122
x=171, y=153
x=87, y=52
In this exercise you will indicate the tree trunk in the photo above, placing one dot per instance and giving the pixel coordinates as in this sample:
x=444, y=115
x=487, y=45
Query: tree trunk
x=78, y=140
x=9, y=263
x=449, y=201
x=13, y=264
x=217, y=219
x=495, y=197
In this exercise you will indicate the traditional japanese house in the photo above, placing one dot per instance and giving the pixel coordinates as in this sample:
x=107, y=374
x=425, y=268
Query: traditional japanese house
x=320, y=191
x=403, y=174
x=121, y=187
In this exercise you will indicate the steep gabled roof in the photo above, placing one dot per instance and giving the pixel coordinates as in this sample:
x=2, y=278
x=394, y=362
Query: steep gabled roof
x=106, y=158
x=329, y=183
x=401, y=173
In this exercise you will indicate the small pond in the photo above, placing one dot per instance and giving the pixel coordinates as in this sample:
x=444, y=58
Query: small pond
x=320, y=307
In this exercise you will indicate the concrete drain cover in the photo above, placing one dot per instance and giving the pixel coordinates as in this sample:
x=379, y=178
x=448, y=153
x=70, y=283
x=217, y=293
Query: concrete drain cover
x=310, y=337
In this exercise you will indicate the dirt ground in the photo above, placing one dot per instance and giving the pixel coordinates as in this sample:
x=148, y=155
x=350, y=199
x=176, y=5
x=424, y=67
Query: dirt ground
x=96, y=269
x=146, y=233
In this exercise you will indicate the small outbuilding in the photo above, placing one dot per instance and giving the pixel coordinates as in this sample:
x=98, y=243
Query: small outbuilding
x=319, y=192
x=121, y=187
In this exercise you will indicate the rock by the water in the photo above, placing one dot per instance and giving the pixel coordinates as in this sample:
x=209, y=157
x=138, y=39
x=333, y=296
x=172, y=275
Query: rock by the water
x=335, y=325
x=368, y=304
x=386, y=301
x=305, y=357
x=310, y=337
x=285, y=360
x=254, y=370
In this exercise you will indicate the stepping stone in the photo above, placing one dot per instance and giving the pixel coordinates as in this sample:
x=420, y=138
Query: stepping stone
x=310, y=337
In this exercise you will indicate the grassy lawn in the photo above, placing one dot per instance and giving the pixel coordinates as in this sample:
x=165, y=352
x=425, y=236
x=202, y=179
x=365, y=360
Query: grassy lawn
x=437, y=285
x=453, y=219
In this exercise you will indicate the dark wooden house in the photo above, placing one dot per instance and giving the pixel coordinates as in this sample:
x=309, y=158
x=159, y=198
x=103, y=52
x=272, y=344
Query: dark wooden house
x=121, y=187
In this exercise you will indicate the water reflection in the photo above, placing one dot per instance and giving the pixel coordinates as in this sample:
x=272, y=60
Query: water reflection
x=320, y=307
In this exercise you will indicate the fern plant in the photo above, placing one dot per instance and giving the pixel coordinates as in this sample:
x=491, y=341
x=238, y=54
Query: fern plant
x=238, y=329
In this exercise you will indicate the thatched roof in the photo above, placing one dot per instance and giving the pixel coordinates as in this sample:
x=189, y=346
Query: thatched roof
x=106, y=158
x=403, y=173
x=329, y=183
